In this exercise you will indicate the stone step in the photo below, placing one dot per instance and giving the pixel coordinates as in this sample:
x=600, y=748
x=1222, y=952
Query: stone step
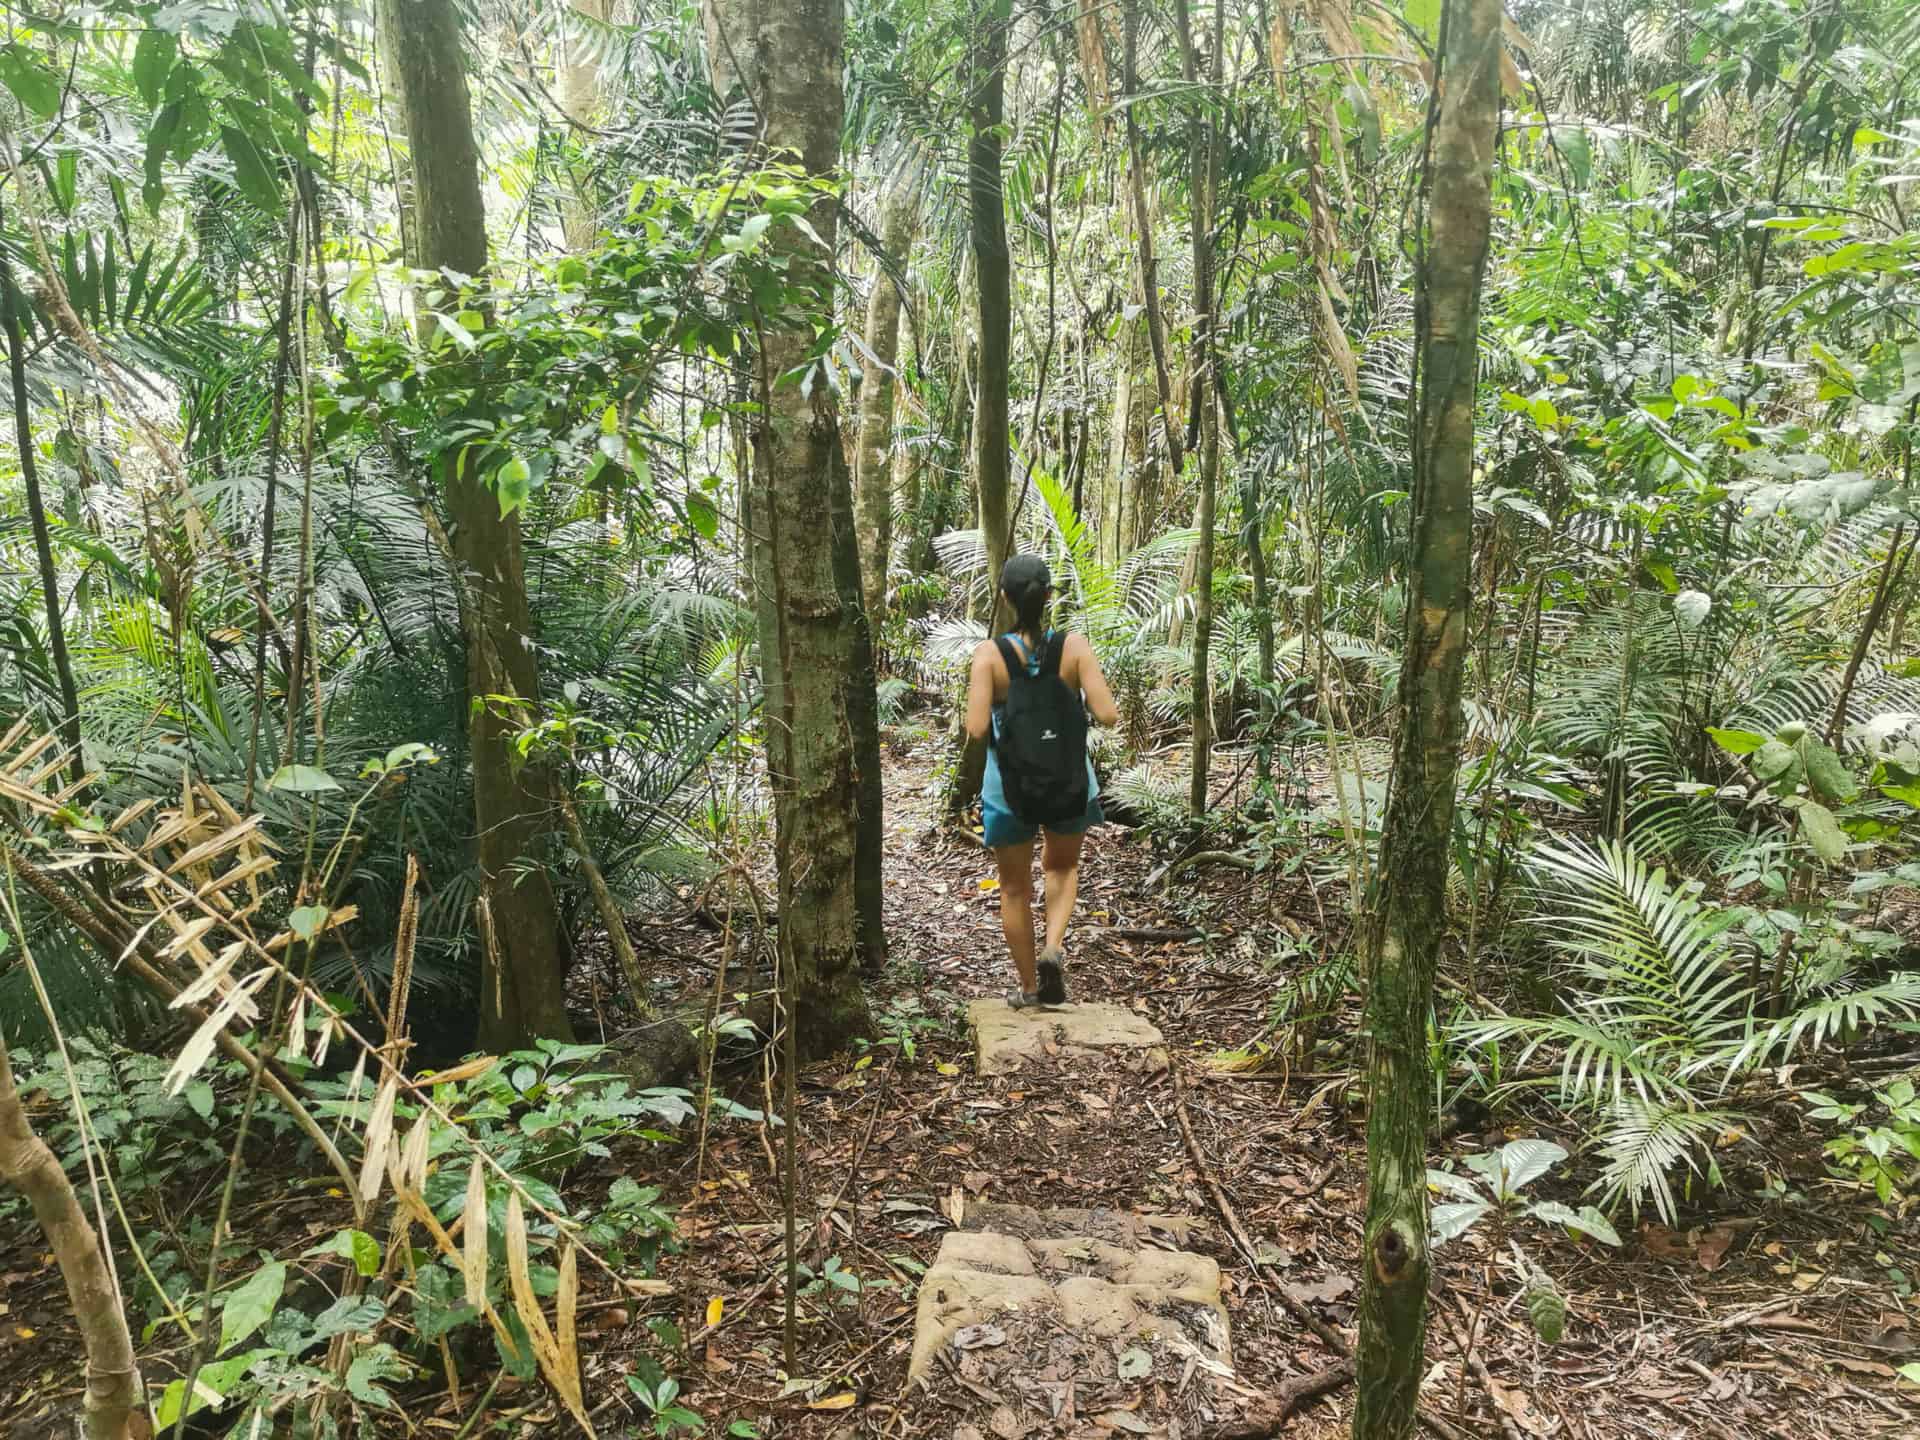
x=1071, y=1296
x=1004, y=1039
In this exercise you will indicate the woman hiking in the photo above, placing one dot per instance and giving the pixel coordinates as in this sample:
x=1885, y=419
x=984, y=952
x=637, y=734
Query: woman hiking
x=1025, y=695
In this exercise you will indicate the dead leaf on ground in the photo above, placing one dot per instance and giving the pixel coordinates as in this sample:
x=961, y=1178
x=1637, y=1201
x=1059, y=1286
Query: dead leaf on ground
x=1713, y=1247
x=978, y=1337
x=1323, y=1291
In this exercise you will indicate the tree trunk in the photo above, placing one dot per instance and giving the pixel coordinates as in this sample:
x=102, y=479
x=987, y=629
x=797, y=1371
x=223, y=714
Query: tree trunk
x=26, y=1164
x=1204, y=150
x=523, y=959
x=813, y=642
x=1405, y=926
x=37, y=518
x=874, y=459
x=580, y=97
x=993, y=276
x=1149, y=266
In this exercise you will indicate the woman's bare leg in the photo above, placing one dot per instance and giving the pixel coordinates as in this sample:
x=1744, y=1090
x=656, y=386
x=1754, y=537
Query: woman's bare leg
x=1060, y=863
x=1016, y=907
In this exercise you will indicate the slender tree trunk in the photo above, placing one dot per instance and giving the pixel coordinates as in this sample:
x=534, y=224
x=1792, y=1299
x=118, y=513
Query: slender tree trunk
x=874, y=459
x=26, y=1164
x=37, y=518
x=1204, y=151
x=580, y=96
x=523, y=961
x=1406, y=921
x=1149, y=266
x=814, y=648
x=1891, y=571
x=993, y=275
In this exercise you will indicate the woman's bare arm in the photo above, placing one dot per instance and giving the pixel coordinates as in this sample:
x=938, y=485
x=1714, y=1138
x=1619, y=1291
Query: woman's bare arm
x=1093, y=682
x=980, y=691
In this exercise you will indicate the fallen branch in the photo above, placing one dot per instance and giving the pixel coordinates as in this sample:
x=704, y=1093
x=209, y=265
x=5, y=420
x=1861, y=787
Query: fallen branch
x=1290, y=1397
x=1144, y=933
x=1329, y=1336
x=1471, y=1359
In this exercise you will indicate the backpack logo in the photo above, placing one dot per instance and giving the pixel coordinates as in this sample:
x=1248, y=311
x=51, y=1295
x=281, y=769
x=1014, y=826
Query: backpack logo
x=1048, y=735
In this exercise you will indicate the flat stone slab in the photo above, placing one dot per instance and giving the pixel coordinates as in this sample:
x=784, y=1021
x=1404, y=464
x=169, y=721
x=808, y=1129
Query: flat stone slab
x=1072, y=1296
x=1004, y=1038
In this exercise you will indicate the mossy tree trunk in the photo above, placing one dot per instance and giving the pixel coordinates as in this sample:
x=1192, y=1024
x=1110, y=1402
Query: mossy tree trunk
x=993, y=277
x=815, y=651
x=873, y=459
x=112, y=1384
x=523, y=951
x=1405, y=925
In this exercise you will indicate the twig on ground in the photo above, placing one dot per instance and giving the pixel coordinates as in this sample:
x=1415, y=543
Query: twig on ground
x=1473, y=1362
x=1291, y=1396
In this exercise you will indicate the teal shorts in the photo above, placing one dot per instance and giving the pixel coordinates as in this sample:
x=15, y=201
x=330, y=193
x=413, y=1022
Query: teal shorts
x=999, y=826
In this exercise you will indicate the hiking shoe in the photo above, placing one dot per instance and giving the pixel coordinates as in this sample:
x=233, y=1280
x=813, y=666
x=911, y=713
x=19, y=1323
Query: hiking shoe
x=1022, y=1000
x=1053, y=979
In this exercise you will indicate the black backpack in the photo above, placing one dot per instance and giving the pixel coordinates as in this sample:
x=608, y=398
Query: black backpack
x=1042, y=742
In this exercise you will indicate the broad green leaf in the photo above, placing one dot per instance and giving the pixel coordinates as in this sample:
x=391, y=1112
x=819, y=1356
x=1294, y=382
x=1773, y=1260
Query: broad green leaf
x=252, y=1305
x=1736, y=742
x=355, y=1245
x=702, y=514
x=33, y=86
x=1822, y=831
x=1828, y=773
x=302, y=780
x=307, y=920
x=1774, y=760
x=513, y=482
x=152, y=58
x=1524, y=1161
x=211, y=1387
x=199, y=1095
x=250, y=169
x=1693, y=607
x=1449, y=1221
x=454, y=330
x=1584, y=1221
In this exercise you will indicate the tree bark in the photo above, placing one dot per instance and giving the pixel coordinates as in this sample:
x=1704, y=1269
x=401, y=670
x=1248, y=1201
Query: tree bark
x=993, y=277
x=1149, y=266
x=523, y=957
x=1407, y=915
x=26, y=1164
x=580, y=97
x=37, y=518
x=787, y=54
x=874, y=458
x=1204, y=150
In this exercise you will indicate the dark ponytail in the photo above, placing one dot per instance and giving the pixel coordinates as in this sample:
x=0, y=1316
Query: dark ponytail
x=1026, y=582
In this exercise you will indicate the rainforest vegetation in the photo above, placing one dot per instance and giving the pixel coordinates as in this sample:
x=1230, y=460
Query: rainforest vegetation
x=497, y=507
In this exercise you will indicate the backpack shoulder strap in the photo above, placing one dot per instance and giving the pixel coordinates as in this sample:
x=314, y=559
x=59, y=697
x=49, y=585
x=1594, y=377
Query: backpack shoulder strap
x=1051, y=655
x=1010, y=657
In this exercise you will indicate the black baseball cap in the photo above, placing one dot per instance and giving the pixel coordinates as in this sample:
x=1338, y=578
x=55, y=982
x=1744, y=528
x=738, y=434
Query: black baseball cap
x=1024, y=572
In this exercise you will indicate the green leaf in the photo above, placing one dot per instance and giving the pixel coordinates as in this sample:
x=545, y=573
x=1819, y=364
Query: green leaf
x=34, y=87
x=513, y=482
x=200, y=1097
x=250, y=169
x=213, y=1384
x=302, y=780
x=355, y=1245
x=1775, y=760
x=703, y=515
x=307, y=920
x=1736, y=742
x=252, y=1305
x=1911, y=1373
x=1828, y=773
x=1823, y=832
x=152, y=58
x=454, y=330
x=1547, y=1309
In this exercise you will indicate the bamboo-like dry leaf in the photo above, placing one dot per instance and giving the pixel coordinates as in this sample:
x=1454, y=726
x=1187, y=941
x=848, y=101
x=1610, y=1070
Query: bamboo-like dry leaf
x=73, y=788
x=465, y=1070
x=206, y=850
x=473, y=1243
x=132, y=813
x=1093, y=57
x=200, y=1044
x=324, y=1042
x=27, y=756
x=1339, y=351
x=208, y=980
x=296, y=1048
x=378, y=1137
x=187, y=934
x=520, y=1277
x=346, y=914
x=245, y=870
x=12, y=737
x=566, y=1305
x=419, y=1141
x=1335, y=18
x=47, y=771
